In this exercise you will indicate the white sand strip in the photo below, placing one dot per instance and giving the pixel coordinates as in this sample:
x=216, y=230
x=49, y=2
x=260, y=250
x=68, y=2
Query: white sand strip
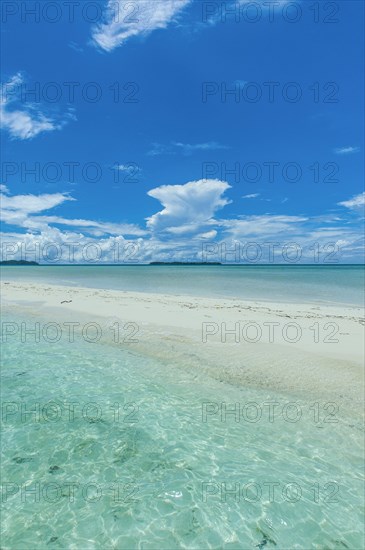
x=298, y=347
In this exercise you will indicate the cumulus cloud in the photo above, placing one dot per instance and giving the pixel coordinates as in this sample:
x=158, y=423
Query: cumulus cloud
x=185, y=225
x=251, y=196
x=27, y=120
x=187, y=206
x=140, y=17
x=55, y=246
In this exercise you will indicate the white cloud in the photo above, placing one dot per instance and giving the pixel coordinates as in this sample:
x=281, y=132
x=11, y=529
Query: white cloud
x=192, y=203
x=266, y=225
x=27, y=204
x=9, y=87
x=74, y=46
x=186, y=222
x=27, y=121
x=346, y=150
x=185, y=148
x=251, y=196
x=132, y=167
x=265, y=4
x=19, y=210
x=54, y=246
x=101, y=228
x=140, y=17
x=357, y=201
x=3, y=188
x=243, y=11
x=22, y=125
x=159, y=149
x=208, y=235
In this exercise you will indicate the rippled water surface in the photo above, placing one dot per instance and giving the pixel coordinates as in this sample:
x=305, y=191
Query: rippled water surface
x=124, y=452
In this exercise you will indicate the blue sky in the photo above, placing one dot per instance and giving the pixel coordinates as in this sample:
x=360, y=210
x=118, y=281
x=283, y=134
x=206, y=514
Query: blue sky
x=172, y=124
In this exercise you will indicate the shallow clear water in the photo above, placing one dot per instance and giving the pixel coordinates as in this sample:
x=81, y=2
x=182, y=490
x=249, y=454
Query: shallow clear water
x=329, y=284
x=146, y=459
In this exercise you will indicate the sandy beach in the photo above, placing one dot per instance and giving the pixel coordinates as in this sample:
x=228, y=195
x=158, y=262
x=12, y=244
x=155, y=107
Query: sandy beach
x=297, y=348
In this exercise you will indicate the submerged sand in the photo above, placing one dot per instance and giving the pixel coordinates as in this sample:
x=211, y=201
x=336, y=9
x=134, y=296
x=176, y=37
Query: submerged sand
x=314, y=351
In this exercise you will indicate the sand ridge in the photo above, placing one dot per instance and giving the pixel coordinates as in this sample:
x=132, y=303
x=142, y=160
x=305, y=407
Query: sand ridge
x=242, y=342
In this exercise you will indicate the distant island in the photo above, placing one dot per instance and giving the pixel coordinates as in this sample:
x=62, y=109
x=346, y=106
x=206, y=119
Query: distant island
x=18, y=262
x=185, y=263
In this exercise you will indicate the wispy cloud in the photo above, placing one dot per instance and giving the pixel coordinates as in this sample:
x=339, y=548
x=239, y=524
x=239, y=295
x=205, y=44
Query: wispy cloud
x=74, y=46
x=159, y=149
x=265, y=225
x=188, y=148
x=264, y=3
x=95, y=227
x=346, y=150
x=357, y=201
x=27, y=120
x=131, y=167
x=215, y=14
x=185, y=148
x=251, y=196
x=19, y=210
x=31, y=204
x=23, y=211
x=140, y=17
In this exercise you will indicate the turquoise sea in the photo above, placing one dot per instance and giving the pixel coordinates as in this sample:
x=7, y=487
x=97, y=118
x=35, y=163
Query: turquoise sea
x=310, y=283
x=105, y=448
